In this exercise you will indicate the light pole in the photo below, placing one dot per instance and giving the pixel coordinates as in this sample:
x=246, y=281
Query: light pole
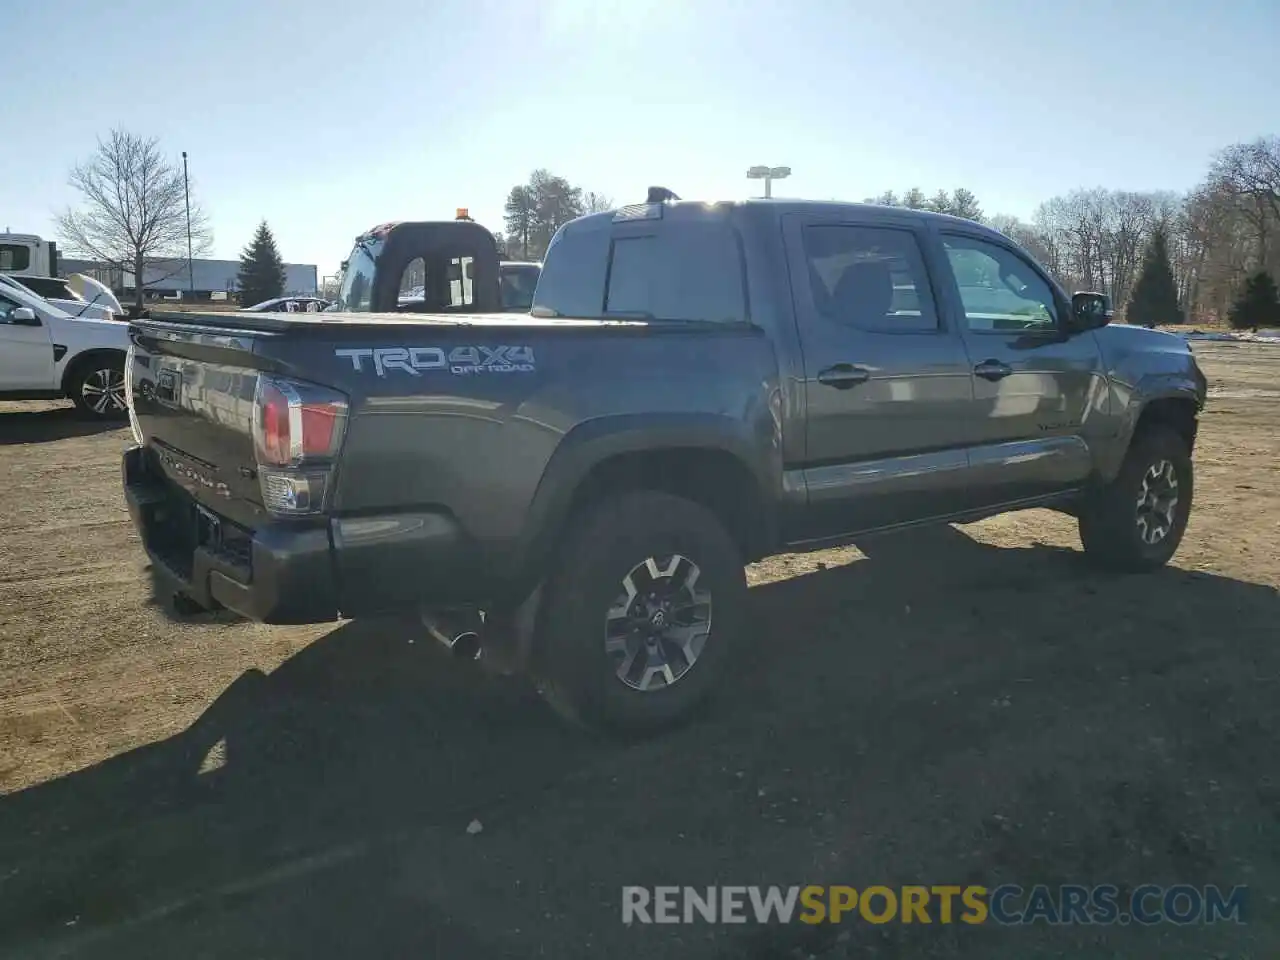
x=191, y=266
x=768, y=175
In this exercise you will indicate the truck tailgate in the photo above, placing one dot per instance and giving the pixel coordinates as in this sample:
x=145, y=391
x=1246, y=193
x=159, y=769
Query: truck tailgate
x=192, y=397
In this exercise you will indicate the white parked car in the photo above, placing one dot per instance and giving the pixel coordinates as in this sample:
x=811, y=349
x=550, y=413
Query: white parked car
x=78, y=294
x=46, y=353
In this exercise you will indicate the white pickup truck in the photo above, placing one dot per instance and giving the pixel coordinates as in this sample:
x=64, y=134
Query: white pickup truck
x=45, y=353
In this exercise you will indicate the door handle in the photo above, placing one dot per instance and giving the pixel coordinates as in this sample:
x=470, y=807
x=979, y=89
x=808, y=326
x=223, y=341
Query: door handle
x=992, y=370
x=843, y=376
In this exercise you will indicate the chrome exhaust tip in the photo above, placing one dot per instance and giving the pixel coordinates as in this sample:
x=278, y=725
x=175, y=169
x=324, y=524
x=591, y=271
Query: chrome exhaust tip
x=466, y=645
x=459, y=632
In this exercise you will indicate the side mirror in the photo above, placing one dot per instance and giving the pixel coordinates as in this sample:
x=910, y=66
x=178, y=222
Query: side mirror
x=1090, y=310
x=23, y=317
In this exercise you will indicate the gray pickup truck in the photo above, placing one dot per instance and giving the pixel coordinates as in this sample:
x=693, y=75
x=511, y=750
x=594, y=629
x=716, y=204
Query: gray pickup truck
x=574, y=492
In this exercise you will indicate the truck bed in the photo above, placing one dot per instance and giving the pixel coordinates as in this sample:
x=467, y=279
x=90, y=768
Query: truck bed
x=281, y=322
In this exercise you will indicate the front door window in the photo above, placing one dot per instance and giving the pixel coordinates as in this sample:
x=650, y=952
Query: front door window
x=999, y=290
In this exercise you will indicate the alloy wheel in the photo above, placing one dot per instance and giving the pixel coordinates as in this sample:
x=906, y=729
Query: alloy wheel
x=103, y=391
x=659, y=622
x=1157, y=501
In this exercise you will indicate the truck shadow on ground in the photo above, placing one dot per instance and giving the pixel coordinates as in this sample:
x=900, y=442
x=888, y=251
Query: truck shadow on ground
x=323, y=810
x=43, y=426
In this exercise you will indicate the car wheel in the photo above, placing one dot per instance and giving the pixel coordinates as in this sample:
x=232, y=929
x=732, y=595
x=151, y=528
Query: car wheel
x=647, y=597
x=1136, y=522
x=97, y=388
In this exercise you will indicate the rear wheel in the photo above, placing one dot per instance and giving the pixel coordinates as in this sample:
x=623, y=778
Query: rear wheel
x=640, y=612
x=1136, y=523
x=96, y=387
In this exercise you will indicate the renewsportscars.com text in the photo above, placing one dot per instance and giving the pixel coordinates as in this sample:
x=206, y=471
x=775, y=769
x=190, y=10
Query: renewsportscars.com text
x=1008, y=904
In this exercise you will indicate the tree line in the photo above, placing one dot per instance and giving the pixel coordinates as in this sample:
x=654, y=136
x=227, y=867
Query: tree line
x=1214, y=240
x=1218, y=243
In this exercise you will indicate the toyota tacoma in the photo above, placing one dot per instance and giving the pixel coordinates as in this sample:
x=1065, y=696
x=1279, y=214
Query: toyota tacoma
x=574, y=492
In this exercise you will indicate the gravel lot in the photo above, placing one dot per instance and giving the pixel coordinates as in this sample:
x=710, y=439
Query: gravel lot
x=964, y=705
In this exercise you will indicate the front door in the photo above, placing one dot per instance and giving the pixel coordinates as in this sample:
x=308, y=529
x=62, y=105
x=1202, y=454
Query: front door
x=26, y=354
x=887, y=383
x=1039, y=389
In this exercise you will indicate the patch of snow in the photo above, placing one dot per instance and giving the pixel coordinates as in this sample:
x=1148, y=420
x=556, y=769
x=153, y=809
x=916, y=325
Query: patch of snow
x=1240, y=336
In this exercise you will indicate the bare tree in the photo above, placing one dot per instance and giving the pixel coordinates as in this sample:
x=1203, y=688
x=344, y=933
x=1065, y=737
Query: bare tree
x=593, y=202
x=1249, y=174
x=133, y=213
x=1026, y=236
x=1094, y=239
x=1224, y=245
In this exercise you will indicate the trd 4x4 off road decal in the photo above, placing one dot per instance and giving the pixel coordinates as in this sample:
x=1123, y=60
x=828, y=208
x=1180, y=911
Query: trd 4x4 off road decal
x=459, y=360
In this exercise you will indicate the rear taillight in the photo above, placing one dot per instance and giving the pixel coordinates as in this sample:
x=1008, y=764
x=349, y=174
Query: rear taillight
x=297, y=432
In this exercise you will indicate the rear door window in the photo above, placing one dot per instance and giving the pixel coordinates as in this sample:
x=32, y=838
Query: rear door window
x=687, y=271
x=872, y=278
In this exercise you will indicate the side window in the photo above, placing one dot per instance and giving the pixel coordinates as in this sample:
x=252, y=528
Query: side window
x=14, y=257
x=7, y=307
x=999, y=289
x=413, y=283
x=690, y=271
x=871, y=278
x=461, y=271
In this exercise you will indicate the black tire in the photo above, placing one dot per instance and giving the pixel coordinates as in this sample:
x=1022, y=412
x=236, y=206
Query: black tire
x=96, y=386
x=1109, y=521
x=577, y=676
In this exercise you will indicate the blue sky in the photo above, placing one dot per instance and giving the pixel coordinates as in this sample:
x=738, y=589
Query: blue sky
x=328, y=116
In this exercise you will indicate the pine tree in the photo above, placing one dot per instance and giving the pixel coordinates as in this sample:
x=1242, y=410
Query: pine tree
x=965, y=204
x=1155, y=295
x=261, y=269
x=914, y=199
x=1258, y=305
x=941, y=202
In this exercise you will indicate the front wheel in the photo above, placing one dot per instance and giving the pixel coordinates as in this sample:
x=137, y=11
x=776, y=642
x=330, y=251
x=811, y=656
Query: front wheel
x=1136, y=522
x=97, y=388
x=648, y=594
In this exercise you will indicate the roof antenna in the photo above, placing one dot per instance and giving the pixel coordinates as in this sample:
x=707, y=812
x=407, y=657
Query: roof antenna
x=660, y=195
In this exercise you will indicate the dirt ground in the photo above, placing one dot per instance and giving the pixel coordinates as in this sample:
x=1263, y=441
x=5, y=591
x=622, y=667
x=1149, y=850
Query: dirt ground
x=968, y=705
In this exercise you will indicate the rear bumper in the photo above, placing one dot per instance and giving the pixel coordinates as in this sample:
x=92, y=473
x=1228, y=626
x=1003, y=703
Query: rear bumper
x=279, y=575
x=285, y=572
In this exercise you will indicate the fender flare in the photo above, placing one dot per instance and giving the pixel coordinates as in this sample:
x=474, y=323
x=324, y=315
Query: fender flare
x=1150, y=389
x=596, y=441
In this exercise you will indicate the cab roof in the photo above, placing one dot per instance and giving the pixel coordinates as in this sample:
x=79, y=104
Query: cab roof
x=680, y=210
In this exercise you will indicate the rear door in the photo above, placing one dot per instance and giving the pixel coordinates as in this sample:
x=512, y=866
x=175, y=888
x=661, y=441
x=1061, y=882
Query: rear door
x=887, y=381
x=1039, y=390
